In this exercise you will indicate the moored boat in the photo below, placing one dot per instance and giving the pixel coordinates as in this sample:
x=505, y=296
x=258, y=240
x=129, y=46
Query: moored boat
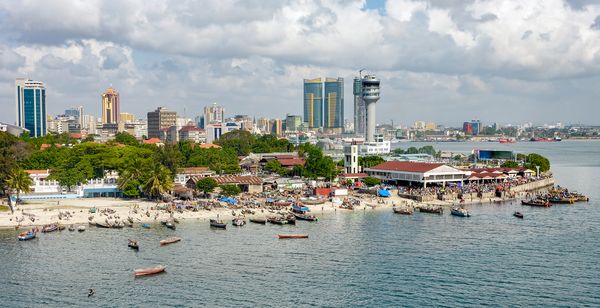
x=170, y=240
x=28, y=235
x=71, y=228
x=146, y=226
x=561, y=200
x=292, y=236
x=536, y=202
x=306, y=217
x=277, y=220
x=215, y=223
x=49, y=228
x=170, y=225
x=149, y=271
x=298, y=208
x=100, y=224
x=238, y=222
x=81, y=228
x=518, y=214
x=403, y=210
x=133, y=244
x=261, y=221
x=431, y=209
x=460, y=212
x=291, y=219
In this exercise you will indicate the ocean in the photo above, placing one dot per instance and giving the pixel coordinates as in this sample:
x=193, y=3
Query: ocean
x=364, y=258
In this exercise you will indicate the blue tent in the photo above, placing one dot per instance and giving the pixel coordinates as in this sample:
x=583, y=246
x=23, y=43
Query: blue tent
x=228, y=200
x=384, y=193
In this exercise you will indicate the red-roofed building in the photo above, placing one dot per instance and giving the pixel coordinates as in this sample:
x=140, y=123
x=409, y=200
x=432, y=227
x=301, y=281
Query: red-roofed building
x=192, y=133
x=154, y=141
x=184, y=174
x=44, y=146
x=415, y=172
x=291, y=162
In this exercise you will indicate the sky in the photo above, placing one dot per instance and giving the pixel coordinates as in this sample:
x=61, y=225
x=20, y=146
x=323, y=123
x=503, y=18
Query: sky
x=444, y=61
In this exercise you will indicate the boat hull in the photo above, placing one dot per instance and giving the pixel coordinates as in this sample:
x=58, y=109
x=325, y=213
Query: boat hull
x=149, y=271
x=292, y=236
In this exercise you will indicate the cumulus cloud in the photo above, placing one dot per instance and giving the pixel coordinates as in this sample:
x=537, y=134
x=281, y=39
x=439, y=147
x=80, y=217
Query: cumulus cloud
x=252, y=55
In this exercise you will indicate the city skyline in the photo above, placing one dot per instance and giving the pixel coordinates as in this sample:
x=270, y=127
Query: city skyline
x=439, y=60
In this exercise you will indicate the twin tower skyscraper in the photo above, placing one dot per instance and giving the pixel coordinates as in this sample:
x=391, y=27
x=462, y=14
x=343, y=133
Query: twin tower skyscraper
x=325, y=109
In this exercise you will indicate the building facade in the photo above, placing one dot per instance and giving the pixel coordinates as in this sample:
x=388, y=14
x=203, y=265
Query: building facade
x=127, y=117
x=160, y=119
x=214, y=114
x=111, y=108
x=31, y=106
x=293, y=123
x=334, y=103
x=313, y=102
x=359, y=108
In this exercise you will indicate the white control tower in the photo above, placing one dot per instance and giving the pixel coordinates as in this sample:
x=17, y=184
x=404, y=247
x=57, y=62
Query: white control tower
x=370, y=95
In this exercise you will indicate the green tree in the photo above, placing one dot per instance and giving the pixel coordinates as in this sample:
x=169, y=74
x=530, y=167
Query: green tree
x=230, y=190
x=126, y=138
x=371, y=181
x=370, y=161
x=273, y=166
x=510, y=164
x=428, y=149
x=159, y=182
x=18, y=181
x=535, y=159
x=169, y=156
x=316, y=164
x=206, y=185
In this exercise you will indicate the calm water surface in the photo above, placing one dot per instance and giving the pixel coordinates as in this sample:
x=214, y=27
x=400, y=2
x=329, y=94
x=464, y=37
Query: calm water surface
x=373, y=259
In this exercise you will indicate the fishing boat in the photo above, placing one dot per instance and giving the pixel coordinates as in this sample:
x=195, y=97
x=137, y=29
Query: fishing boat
x=133, y=244
x=518, y=215
x=403, y=210
x=170, y=240
x=238, y=221
x=291, y=219
x=561, y=200
x=277, y=220
x=347, y=207
x=306, y=217
x=314, y=202
x=460, y=212
x=215, y=223
x=71, y=228
x=61, y=227
x=536, y=202
x=49, y=228
x=292, y=236
x=261, y=221
x=149, y=271
x=170, y=225
x=431, y=209
x=81, y=228
x=100, y=224
x=581, y=198
x=28, y=235
x=146, y=226
x=298, y=208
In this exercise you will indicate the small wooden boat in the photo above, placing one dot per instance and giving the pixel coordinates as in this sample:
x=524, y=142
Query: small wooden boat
x=261, y=221
x=215, y=223
x=149, y=271
x=100, y=224
x=292, y=236
x=298, y=208
x=133, y=244
x=71, y=228
x=170, y=240
x=314, y=202
x=81, y=228
x=50, y=228
x=291, y=219
x=431, y=209
x=536, y=202
x=306, y=217
x=28, y=235
x=559, y=200
x=238, y=222
x=403, y=210
x=170, y=225
x=61, y=227
x=277, y=220
x=460, y=212
x=518, y=215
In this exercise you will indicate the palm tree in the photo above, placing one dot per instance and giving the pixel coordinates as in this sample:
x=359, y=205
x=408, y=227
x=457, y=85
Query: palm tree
x=159, y=182
x=18, y=181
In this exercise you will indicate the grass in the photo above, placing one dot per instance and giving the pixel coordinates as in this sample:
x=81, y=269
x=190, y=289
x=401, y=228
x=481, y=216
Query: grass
x=4, y=208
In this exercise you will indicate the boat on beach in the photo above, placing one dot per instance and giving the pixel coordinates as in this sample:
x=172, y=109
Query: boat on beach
x=261, y=221
x=431, y=209
x=49, y=228
x=27, y=235
x=71, y=228
x=81, y=228
x=238, y=222
x=292, y=236
x=170, y=240
x=277, y=220
x=306, y=217
x=402, y=210
x=460, y=212
x=146, y=226
x=216, y=223
x=133, y=244
x=536, y=202
x=170, y=225
x=518, y=215
x=149, y=271
x=298, y=208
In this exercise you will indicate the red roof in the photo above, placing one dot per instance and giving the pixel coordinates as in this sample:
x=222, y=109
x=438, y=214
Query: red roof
x=209, y=146
x=235, y=179
x=190, y=128
x=287, y=162
x=354, y=175
x=152, y=141
x=193, y=170
x=36, y=171
x=406, y=166
x=44, y=146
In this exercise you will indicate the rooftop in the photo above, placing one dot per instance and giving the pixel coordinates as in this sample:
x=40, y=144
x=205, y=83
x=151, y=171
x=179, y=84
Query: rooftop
x=406, y=166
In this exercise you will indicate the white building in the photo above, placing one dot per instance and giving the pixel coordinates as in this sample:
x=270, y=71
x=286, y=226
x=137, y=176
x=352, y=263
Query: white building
x=413, y=172
x=378, y=147
x=351, y=158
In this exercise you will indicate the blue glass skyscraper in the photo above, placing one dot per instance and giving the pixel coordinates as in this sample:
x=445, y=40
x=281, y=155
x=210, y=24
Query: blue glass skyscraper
x=31, y=106
x=313, y=102
x=334, y=103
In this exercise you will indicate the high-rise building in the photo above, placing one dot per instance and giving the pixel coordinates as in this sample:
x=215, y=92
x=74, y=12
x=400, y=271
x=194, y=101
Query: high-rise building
x=111, y=109
x=292, y=123
x=263, y=124
x=214, y=114
x=313, y=102
x=76, y=113
x=334, y=103
x=359, y=108
x=127, y=117
x=370, y=96
x=160, y=119
x=277, y=127
x=31, y=106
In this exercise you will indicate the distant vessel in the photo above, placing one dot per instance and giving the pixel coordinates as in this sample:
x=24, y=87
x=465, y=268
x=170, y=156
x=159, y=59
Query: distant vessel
x=506, y=140
x=460, y=212
x=149, y=271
